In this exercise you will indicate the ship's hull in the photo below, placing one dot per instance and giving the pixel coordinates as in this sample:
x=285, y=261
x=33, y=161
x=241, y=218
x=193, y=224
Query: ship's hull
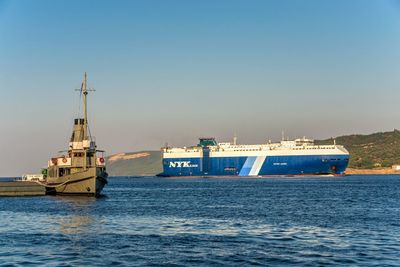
x=89, y=183
x=262, y=165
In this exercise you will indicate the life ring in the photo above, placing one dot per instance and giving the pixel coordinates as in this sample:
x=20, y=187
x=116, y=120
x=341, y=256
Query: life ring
x=101, y=160
x=64, y=160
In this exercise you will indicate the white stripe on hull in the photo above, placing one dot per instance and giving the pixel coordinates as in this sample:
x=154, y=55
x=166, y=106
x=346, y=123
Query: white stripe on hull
x=255, y=169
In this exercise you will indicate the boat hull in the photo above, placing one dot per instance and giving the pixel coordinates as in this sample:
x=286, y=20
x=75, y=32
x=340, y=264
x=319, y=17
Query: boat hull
x=89, y=183
x=247, y=166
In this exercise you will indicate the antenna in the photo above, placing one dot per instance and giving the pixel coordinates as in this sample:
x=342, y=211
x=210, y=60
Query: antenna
x=283, y=135
x=234, y=139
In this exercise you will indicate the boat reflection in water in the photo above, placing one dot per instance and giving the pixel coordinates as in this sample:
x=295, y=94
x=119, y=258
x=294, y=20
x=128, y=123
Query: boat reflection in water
x=79, y=219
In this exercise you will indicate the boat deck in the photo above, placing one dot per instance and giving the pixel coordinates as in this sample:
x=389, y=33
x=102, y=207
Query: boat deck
x=21, y=188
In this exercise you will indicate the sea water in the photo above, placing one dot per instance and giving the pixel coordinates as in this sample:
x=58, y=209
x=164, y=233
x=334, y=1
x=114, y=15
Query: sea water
x=149, y=221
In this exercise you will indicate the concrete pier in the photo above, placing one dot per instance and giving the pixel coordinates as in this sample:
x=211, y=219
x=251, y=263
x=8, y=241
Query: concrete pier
x=21, y=188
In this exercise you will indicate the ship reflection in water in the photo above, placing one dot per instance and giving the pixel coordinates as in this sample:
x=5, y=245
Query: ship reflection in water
x=79, y=221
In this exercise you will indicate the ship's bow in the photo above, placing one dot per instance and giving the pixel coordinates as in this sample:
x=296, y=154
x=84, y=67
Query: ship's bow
x=101, y=181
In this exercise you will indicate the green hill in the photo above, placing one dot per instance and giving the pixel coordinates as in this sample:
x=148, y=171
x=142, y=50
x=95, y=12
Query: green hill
x=366, y=152
x=370, y=151
x=144, y=163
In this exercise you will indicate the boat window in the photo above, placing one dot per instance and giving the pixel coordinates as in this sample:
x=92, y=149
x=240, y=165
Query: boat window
x=52, y=172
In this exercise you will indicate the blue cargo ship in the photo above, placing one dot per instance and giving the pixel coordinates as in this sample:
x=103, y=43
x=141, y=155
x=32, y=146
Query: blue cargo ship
x=297, y=157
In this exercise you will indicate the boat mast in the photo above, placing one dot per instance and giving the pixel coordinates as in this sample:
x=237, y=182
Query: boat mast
x=85, y=92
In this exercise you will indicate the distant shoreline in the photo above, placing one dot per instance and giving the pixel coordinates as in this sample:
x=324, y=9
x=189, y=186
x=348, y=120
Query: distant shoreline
x=349, y=171
x=372, y=171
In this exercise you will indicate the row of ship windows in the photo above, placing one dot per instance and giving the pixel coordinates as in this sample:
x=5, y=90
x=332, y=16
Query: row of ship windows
x=336, y=159
x=272, y=149
x=259, y=149
x=314, y=148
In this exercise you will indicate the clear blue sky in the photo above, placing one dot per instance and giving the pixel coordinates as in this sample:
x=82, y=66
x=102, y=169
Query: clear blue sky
x=171, y=71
